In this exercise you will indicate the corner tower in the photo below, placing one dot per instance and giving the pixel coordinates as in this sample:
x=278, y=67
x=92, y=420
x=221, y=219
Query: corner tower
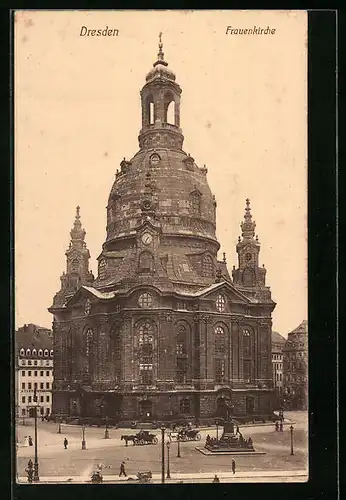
x=77, y=264
x=249, y=273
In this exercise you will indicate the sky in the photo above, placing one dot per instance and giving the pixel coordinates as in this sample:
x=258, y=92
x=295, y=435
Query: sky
x=77, y=114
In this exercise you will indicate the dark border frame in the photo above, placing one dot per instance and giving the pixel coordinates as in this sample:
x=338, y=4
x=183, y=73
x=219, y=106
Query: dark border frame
x=322, y=60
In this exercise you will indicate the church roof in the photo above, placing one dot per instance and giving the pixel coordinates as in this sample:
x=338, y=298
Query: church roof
x=277, y=338
x=301, y=329
x=33, y=336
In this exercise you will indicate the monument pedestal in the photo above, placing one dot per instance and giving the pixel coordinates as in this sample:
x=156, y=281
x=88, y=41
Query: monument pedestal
x=230, y=441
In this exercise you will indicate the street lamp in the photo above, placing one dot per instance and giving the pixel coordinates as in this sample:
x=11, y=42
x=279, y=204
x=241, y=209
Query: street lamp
x=217, y=430
x=291, y=429
x=59, y=426
x=36, y=477
x=163, y=428
x=178, y=454
x=83, y=438
x=106, y=430
x=168, y=469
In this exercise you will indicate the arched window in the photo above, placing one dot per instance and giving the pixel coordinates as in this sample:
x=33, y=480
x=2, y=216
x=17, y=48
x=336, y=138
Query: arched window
x=145, y=300
x=102, y=269
x=247, y=354
x=220, y=303
x=170, y=113
x=46, y=353
x=89, y=341
x=207, y=266
x=51, y=353
x=220, y=354
x=182, y=353
x=149, y=111
x=34, y=352
x=28, y=352
x=219, y=340
x=145, y=339
x=195, y=203
x=40, y=352
x=146, y=262
x=169, y=108
x=22, y=352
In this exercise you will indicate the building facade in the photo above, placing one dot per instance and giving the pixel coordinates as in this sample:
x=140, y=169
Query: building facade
x=295, y=357
x=164, y=331
x=33, y=370
x=278, y=342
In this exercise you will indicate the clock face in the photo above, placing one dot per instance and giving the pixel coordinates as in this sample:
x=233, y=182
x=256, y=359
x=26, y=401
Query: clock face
x=147, y=238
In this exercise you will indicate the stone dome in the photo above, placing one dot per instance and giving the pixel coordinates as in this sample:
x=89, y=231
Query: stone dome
x=170, y=187
x=160, y=70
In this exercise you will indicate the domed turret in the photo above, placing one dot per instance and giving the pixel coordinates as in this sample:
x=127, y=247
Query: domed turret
x=160, y=69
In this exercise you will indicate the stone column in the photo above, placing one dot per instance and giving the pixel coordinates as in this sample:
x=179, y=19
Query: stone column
x=127, y=355
x=166, y=358
x=177, y=111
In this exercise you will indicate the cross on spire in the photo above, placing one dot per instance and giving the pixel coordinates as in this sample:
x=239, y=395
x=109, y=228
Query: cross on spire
x=160, y=55
x=248, y=226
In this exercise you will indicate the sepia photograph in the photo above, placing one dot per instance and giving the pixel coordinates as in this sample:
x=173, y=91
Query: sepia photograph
x=161, y=289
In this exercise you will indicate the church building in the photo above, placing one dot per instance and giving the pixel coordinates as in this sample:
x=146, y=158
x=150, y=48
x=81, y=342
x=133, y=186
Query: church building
x=164, y=332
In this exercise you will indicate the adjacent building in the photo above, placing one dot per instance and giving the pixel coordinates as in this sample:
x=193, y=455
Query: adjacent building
x=164, y=331
x=295, y=361
x=33, y=370
x=278, y=342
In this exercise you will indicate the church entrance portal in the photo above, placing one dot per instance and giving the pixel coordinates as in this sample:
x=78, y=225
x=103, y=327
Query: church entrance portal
x=145, y=409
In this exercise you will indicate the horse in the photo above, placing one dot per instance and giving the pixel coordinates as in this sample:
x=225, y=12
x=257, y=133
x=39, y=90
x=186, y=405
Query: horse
x=127, y=438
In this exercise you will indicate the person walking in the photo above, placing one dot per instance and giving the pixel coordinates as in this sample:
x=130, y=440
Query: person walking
x=30, y=441
x=122, y=470
x=216, y=479
x=65, y=443
x=276, y=425
x=233, y=466
x=281, y=426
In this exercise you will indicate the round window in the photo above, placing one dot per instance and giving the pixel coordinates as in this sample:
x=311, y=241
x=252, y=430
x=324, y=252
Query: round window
x=145, y=300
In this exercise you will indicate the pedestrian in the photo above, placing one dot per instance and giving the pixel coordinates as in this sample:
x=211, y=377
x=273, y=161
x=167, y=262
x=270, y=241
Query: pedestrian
x=30, y=471
x=26, y=441
x=30, y=441
x=233, y=466
x=65, y=443
x=216, y=479
x=122, y=470
x=281, y=426
x=276, y=425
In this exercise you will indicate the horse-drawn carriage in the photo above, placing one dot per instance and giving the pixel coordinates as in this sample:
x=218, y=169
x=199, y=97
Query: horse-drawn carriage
x=141, y=438
x=185, y=435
